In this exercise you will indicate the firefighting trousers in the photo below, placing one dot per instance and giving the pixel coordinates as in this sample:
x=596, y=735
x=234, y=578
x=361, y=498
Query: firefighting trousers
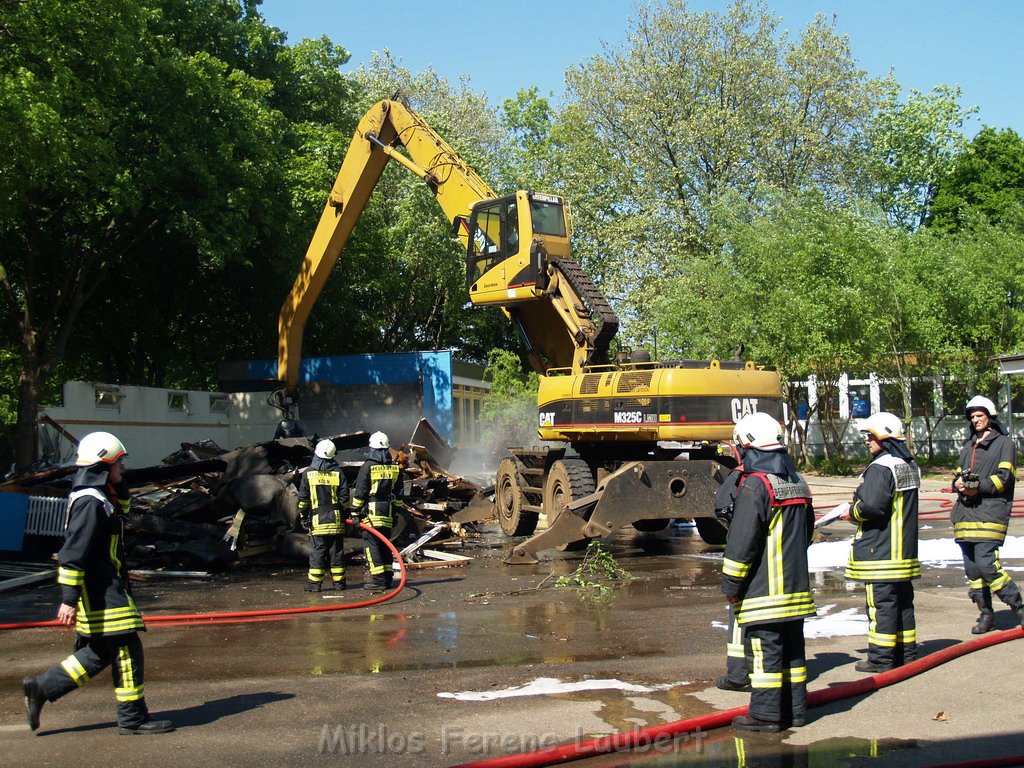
x=779, y=671
x=985, y=575
x=123, y=654
x=378, y=556
x=327, y=550
x=737, y=653
x=892, y=629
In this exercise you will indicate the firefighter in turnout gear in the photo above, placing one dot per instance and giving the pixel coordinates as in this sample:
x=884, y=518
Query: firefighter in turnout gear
x=884, y=552
x=737, y=648
x=764, y=574
x=984, y=486
x=95, y=594
x=323, y=495
x=375, y=500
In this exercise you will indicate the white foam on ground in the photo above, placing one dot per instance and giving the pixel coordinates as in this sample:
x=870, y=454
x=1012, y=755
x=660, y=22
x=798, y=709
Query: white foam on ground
x=543, y=686
x=826, y=624
x=850, y=621
x=826, y=555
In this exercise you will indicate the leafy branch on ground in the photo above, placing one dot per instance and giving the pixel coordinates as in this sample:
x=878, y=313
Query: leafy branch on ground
x=596, y=575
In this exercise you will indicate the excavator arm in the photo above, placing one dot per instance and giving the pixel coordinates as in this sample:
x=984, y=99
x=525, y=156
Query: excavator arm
x=517, y=246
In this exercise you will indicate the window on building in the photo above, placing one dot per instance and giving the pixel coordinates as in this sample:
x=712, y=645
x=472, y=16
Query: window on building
x=178, y=401
x=922, y=397
x=860, y=400
x=892, y=398
x=108, y=397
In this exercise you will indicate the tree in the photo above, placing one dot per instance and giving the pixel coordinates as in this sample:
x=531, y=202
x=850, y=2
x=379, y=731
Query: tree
x=988, y=179
x=797, y=285
x=143, y=169
x=510, y=407
x=912, y=146
x=697, y=105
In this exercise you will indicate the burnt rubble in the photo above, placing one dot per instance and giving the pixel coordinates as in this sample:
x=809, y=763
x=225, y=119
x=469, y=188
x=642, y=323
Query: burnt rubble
x=205, y=507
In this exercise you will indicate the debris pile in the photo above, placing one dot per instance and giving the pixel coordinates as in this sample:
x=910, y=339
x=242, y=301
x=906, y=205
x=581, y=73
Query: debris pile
x=204, y=507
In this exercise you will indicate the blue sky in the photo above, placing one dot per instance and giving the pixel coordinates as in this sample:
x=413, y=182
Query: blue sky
x=505, y=46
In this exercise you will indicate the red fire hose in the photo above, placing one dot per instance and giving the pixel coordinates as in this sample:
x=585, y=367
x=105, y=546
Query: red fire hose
x=241, y=617
x=665, y=732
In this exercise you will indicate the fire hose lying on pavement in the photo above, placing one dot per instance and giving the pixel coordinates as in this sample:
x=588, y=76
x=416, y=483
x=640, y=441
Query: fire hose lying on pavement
x=238, y=617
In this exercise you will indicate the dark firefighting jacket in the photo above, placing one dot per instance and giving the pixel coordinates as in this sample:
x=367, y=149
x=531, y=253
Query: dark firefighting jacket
x=92, y=573
x=377, y=489
x=765, y=562
x=985, y=515
x=885, y=506
x=323, y=494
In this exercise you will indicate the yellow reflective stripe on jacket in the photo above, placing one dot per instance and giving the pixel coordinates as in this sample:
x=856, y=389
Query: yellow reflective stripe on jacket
x=1006, y=465
x=70, y=578
x=735, y=568
x=775, y=608
x=995, y=531
x=896, y=527
x=773, y=549
x=883, y=570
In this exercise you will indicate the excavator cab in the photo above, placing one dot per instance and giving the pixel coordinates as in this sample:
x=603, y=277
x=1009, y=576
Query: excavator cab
x=510, y=239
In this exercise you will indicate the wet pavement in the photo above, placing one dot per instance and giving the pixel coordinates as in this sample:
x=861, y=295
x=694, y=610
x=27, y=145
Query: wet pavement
x=426, y=679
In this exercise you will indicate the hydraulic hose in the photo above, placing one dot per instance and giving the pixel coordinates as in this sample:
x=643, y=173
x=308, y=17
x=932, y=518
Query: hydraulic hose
x=240, y=617
x=661, y=733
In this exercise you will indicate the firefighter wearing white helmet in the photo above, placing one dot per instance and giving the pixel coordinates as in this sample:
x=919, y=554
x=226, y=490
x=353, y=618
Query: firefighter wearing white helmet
x=96, y=594
x=323, y=496
x=769, y=586
x=984, y=486
x=376, y=497
x=884, y=551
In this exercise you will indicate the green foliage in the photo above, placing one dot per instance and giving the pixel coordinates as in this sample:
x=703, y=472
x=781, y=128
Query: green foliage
x=509, y=413
x=987, y=180
x=912, y=145
x=598, y=576
x=835, y=465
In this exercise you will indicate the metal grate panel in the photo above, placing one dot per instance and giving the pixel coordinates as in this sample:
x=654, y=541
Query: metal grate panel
x=46, y=516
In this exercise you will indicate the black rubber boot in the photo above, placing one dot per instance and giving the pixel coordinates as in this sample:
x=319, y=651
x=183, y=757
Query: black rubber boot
x=986, y=622
x=748, y=723
x=313, y=586
x=870, y=666
x=34, y=700
x=340, y=585
x=150, y=727
x=723, y=682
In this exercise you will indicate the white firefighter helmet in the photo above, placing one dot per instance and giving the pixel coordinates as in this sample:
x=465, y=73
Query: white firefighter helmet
x=325, y=449
x=99, y=448
x=883, y=426
x=979, y=403
x=379, y=440
x=758, y=430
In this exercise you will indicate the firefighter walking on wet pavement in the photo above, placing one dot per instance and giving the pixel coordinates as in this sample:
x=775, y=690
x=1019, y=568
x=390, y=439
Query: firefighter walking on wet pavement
x=765, y=576
x=323, y=496
x=96, y=595
x=884, y=551
x=984, y=486
x=375, y=500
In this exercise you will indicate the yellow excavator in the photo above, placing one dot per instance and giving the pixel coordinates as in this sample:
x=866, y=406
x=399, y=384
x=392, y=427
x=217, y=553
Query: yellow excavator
x=630, y=442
